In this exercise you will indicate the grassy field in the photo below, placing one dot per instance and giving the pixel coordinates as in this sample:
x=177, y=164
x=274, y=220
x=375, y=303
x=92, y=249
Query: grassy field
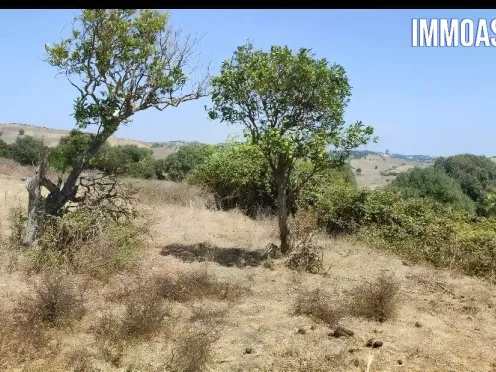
x=248, y=313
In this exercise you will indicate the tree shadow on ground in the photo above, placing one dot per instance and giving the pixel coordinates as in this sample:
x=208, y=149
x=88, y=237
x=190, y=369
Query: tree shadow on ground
x=230, y=257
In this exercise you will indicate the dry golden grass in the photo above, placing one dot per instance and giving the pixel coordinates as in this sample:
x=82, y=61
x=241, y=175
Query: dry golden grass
x=444, y=321
x=377, y=300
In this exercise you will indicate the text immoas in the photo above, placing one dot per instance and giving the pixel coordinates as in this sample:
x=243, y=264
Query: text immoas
x=444, y=32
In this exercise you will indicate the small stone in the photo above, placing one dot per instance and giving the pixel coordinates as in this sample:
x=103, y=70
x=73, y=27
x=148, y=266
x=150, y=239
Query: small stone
x=369, y=342
x=356, y=362
x=353, y=350
x=248, y=350
x=301, y=331
x=312, y=327
x=377, y=344
x=400, y=362
x=406, y=263
x=418, y=325
x=340, y=332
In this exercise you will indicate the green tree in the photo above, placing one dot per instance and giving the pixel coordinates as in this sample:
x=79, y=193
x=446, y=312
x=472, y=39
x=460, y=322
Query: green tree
x=27, y=150
x=5, y=151
x=118, y=159
x=434, y=183
x=292, y=108
x=120, y=61
x=475, y=174
x=70, y=150
x=177, y=165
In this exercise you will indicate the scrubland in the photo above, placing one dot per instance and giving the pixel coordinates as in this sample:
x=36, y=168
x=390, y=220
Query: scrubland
x=186, y=287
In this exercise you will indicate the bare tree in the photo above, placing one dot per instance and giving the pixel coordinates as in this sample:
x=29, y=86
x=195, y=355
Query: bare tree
x=120, y=61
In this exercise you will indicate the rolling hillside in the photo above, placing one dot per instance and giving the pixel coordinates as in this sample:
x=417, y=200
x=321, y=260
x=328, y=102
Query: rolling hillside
x=376, y=170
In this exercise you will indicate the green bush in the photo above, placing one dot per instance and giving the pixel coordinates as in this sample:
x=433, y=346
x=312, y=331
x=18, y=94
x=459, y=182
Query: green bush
x=118, y=159
x=146, y=168
x=237, y=174
x=27, y=150
x=5, y=149
x=433, y=182
x=476, y=175
x=70, y=150
x=340, y=206
x=179, y=164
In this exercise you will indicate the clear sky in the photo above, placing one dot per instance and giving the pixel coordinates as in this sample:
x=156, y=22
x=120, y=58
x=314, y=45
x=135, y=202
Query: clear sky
x=433, y=101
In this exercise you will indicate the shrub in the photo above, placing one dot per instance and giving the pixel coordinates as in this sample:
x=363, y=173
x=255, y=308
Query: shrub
x=318, y=305
x=192, y=353
x=475, y=174
x=56, y=302
x=179, y=164
x=87, y=241
x=145, y=168
x=375, y=301
x=21, y=132
x=358, y=171
x=188, y=286
x=5, y=150
x=237, y=175
x=70, y=150
x=118, y=159
x=27, y=150
x=341, y=207
x=433, y=183
x=144, y=316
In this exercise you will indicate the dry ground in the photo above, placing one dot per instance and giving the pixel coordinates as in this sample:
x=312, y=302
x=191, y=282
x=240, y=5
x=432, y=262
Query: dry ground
x=455, y=314
x=373, y=165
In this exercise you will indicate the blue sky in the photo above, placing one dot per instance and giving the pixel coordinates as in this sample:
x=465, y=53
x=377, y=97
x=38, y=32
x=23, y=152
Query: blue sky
x=435, y=101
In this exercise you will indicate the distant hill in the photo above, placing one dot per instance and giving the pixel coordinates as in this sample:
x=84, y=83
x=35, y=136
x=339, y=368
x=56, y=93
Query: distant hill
x=51, y=137
x=358, y=154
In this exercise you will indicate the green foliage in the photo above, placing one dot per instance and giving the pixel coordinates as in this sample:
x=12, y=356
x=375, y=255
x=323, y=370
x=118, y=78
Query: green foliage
x=119, y=159
x=433, y=182
x=292, y=105
x=5, y=149
x=476, y=175
x=179, y=164
x=145, y=168
x=27, y=150
x=70, y=150
x=114, y=41
x=239, y=176
x=340, y=206
x=292, y=108
x=21, y=132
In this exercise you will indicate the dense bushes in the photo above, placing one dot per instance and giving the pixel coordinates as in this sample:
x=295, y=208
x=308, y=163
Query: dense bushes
x=434, y=183
x=178, y=165
x=475, y=174
x=238, y=176
x=26, y=150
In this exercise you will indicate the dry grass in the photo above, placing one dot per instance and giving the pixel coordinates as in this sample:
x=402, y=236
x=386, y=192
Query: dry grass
x=193, y=352
x=318, y=305
x=56, y=302
x=213, y=328
x=153, y=192
x=196, y=284
x=377, y=300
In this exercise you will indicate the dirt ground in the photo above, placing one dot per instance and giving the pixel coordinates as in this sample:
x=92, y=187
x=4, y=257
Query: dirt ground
x=445, y=321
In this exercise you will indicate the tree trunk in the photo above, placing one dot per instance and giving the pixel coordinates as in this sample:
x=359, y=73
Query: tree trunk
x=282, y=210
x=57, y=198
x=33, y=185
